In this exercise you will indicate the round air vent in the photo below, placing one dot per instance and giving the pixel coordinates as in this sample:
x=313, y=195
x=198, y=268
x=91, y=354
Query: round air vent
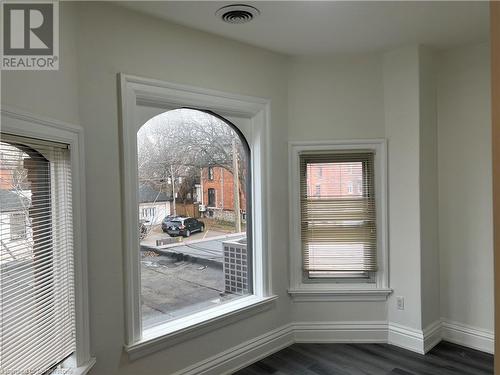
x=237, y=13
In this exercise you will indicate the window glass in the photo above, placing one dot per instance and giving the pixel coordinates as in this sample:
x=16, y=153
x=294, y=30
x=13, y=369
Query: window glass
x=338, y=223
x=36, y=256
x=193, y=167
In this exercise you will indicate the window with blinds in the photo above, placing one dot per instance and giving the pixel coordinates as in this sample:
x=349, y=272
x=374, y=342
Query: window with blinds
x=338, y=222
x=37, y=313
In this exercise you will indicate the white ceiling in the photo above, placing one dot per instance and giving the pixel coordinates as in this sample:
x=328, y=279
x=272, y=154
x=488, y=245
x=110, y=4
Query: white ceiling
x=327, y=27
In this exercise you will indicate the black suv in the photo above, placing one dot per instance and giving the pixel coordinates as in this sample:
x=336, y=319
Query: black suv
x=182, y=226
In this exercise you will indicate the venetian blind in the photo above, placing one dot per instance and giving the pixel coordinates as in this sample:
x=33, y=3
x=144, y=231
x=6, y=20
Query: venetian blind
x=338, y=219
x=37, y=317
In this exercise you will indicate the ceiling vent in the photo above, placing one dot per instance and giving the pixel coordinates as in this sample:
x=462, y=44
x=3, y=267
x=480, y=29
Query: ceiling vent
x=237, y=13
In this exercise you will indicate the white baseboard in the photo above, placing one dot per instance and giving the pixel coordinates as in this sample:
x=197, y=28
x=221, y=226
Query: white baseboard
x=406, y=337
x=433, y=334
x=340, y=332
x=420, y=341
x=469, y=336
x=455, y=332
x=244, y=354
x=253, y=350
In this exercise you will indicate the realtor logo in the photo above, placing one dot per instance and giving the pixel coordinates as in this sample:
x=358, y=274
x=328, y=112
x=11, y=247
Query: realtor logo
x=30, y=35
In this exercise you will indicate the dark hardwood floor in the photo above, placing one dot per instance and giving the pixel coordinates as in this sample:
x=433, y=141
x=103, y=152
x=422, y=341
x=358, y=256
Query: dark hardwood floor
x=372, y=359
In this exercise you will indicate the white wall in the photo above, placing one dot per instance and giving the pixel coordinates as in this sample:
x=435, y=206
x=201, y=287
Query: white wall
x=465, y=192
x=331, y=99
x=341, y=98
x=429, y=251
x=402, y=125
x=336, y=98
x=53, y=94
x=161, y=209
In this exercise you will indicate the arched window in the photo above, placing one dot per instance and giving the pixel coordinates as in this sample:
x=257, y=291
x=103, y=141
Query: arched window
x=194, y=174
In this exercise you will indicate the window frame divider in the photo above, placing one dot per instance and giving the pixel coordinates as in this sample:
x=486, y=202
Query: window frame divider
x=329, y=290
x=24, y=124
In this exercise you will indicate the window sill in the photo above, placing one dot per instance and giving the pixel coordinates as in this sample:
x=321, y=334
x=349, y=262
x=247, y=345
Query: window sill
x=81, y=370
x=175, y=332
x=339, y=294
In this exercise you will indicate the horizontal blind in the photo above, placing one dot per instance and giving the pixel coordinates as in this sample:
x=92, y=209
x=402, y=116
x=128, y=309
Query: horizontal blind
x=37, y=317
x=338, y=218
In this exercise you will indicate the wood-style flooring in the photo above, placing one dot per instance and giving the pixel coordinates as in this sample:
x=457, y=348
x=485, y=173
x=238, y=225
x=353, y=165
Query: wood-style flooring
x=372, y=359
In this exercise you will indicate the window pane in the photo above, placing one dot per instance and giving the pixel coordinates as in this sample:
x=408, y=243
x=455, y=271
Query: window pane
x=36, y=258
x=338, y=220
x=193, y=175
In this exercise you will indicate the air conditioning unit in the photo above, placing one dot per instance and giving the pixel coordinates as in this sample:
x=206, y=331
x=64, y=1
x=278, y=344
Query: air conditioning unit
x=202, y=208
x=235, y=267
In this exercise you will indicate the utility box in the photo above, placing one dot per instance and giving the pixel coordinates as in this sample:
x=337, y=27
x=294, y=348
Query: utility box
x=236, y=266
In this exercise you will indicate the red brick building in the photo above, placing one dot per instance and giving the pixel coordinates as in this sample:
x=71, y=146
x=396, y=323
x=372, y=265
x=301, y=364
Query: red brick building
x=218, y=190
x=6, y=178
x=335, y=179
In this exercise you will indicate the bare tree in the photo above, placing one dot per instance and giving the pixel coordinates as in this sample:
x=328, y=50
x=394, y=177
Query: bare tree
x=180, y=143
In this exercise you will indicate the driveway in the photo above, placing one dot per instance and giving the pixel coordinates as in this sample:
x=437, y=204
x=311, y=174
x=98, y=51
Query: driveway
x=181, y=278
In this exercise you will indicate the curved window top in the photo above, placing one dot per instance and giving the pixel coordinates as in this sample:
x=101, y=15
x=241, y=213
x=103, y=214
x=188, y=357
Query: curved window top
x=194, y=205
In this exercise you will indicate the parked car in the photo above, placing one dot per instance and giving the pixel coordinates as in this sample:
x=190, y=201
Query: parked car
x=184, y=226
x=167, y=221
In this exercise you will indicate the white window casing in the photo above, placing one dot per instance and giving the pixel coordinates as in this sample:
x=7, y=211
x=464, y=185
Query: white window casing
x=136, y=91
x=68, y=224
x=333, y=289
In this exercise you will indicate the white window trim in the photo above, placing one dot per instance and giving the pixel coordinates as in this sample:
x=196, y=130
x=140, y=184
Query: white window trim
x=136, y=91
x=21, y=123
x=327, y=290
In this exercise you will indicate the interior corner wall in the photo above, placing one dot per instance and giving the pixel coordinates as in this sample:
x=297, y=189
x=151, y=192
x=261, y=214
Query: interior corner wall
x=402, y=125
x=465, y=186
x=428, y=175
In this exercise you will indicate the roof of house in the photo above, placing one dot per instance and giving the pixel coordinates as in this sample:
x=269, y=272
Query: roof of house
x=12, y=201
x=148, y=194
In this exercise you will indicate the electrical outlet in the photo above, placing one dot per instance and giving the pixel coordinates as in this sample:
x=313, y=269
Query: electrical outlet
x=400, y=303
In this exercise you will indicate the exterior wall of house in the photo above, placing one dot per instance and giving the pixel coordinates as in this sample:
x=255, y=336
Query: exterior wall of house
x=11, y=237
x=154, y=212
x=334, y=179
x=5, y=179
x=222, y=183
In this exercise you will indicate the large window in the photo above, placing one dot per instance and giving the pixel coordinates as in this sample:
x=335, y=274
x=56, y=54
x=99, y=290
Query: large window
x=196, y=256
x=37, y=305
x=200, y=267
x=338, y=226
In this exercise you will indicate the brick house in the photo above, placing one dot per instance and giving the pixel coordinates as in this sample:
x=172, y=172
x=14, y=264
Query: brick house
x=218, y=193
x=335, y=179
